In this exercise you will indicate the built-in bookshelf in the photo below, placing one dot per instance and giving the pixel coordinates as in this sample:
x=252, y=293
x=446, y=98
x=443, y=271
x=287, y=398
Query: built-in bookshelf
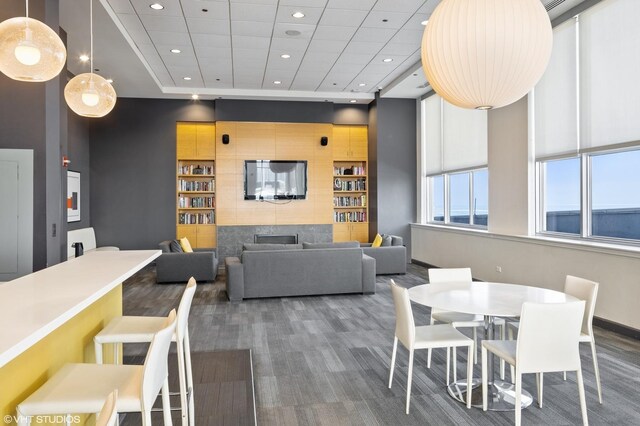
x=350, y=197
x=196, y=184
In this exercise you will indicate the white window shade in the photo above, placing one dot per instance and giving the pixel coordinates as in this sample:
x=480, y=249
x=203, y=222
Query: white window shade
x=432, y=110
x=556, y=99
x=464, y=142
x=609, y=65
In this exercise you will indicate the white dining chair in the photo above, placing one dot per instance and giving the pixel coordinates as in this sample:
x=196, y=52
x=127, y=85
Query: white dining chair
x=140, y=329
x=424, y=337
x=586, y=290
x=108, y=416
x=459, y=319
x=82, y=388
x=547, y=342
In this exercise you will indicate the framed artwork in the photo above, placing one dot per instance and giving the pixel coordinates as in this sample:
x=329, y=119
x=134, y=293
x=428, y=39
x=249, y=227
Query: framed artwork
x=73, y=196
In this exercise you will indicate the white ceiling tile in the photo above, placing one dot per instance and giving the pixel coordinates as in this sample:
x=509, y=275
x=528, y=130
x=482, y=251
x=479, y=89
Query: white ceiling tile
x=399, y=49
x=399, y=5
x=208, y=53
x=343, y=18
x=121, y=6
x=306, y=31
x=415, y=22
x=252, y=28
x=276, y=62
x=394, y=19
x=208, y=26
x=346, y=69
x=214, y=9
x=351, y=4
x=326, y=32
x=428, y=7
x=248, y=42
x=356, y=58
x=164, y=23
x=252, y=12
x=135, y=28
x=315, y=67
x=408, y=36
x=184, y=61
x=210, y=40
x=171, y=8
x=373, y=35
x=170, y=38
x=311, y=14
x=289, y=45
x=211, y=83
x=270, y=2
x=363, y=47
x=250, y=55
x=304, y=3
x=326, y=46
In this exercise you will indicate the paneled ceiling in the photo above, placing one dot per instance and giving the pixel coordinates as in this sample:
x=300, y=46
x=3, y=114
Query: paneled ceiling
x=340, y=50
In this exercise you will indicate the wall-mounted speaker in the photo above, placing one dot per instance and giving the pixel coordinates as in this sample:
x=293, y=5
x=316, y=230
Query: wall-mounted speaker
x=225, y=139
x=324, y=141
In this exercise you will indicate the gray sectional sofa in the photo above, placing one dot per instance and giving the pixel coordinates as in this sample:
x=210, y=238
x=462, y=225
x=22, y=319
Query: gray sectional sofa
x=280, y=270
x=177, y=266
x=390, y=259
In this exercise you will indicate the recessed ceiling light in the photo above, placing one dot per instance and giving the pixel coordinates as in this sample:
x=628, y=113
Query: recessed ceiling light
x=84, y=58
x=292, y=33
x=156, y=6
x=298, y=15
x=176, y=50
x=277, y=82
x=109, y=80
x=285, y=56
x=387, y=60
x=362, y=84
x=424, y=22
x=353, y=101
x=186, y=78
x=195, y=97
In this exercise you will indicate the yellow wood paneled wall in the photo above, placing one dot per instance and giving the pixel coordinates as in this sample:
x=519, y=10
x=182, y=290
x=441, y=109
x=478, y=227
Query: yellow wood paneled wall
x=273, y=141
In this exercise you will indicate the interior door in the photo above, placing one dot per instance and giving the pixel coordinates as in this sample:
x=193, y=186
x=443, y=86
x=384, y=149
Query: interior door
x=9, y=218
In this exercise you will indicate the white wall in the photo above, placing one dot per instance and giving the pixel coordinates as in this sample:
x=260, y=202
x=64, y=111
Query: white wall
x=541, y=263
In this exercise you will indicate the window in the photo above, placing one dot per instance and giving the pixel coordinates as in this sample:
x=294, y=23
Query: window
x=561, y=195
x=467, y=198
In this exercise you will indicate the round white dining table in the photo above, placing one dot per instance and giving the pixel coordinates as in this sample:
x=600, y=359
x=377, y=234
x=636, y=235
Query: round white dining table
x=489, y=300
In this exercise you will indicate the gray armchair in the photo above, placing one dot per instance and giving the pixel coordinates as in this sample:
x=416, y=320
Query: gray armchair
x=172, y=267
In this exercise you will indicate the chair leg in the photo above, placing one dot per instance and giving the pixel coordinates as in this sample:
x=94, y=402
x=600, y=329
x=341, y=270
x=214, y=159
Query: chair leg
x=183, y=383
x=518, y=402
x=484, y=379
x=475, y=344
x=470, y=351
x=190, y=387
x=539, y=385
x=511, y=368
x=98, y=349
x=564, y=375
x=455, y=364
x=146, y=418
x=596, y=369
x=116, y=355
x=503, y=337
x=448, y=364
x=166, y=403
x=429, y=350
x=583, y=402
x=393, y=360
x=22, y=420
x=409, y=377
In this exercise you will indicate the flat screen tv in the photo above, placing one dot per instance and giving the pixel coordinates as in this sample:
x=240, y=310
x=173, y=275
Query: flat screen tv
x=275, y=180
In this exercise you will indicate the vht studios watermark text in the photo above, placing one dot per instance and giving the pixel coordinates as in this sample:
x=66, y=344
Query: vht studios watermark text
x=64, y=419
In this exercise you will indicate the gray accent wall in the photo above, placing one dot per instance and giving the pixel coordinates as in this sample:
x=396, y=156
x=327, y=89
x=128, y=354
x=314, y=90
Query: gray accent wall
x=78, y=152
x=133, y=170
x=392, y=169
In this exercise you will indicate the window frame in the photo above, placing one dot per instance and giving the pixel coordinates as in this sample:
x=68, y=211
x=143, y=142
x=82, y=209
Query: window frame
x=586, y=199
x=447, y=199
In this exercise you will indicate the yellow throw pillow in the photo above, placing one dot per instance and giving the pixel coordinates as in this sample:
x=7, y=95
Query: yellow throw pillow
x=377, y=241
x=186, y=246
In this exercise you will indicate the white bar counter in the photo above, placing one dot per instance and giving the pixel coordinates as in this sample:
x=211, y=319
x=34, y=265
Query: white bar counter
x=33, y=306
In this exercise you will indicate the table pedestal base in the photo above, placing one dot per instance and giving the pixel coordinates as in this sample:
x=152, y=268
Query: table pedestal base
x=501, y=395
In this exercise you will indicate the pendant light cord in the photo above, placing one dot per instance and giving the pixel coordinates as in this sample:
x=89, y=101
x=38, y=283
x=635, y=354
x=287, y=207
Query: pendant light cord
x=91, y=30
x=27, y=12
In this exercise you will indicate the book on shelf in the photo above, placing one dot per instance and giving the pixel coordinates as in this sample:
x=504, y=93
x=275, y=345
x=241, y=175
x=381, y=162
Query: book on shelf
x=195, y=169
x=349, y=217
x=340, y=184
x=185, y=201
x=196, y=218
x=354, y=201
x=196, y=185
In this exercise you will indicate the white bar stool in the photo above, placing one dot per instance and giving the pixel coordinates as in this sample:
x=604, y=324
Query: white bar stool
x=108, y=416
x=83, y=388
x=134, y=329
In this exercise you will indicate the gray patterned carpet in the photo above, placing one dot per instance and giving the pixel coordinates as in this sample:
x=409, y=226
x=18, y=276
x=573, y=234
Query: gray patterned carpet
x=325, y=360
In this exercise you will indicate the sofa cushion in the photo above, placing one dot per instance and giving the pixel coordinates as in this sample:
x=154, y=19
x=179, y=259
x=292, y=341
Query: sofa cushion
x=186, y=245
x=175, y=247
x=345, y=244
x=377, y=241
x=386, y=240
x=269, y=247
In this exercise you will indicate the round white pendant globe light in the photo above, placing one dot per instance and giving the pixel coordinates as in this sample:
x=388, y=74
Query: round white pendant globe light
x=486, y=54
x=30, y=50
x=90, y=95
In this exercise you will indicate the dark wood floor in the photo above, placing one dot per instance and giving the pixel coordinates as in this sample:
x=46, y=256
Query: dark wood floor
x=325, y=360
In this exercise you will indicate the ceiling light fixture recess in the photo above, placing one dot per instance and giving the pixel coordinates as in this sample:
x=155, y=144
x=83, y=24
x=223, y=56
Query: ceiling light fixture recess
x=186, y=78
x=285, y=56
x=30, y=50
x=277, y=82
x=176, y=51
x=156, y=6
x=195, y=97
x=387, y=60
x=88, y=94
x=362, y=84
x=84, y=58
x=298, y=15
x=292, y=33
x=461, y=37
x=425, y=22
x=353, y=101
